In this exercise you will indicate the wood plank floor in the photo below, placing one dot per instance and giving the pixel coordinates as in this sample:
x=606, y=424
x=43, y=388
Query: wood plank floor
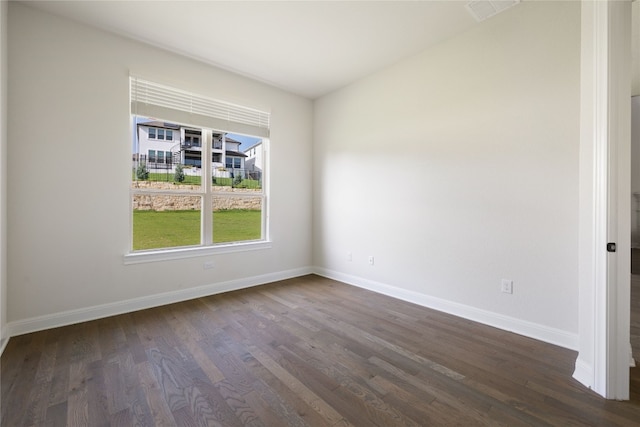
x=303, y=352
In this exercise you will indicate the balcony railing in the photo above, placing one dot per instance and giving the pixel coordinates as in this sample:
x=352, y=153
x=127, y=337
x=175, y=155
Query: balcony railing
x=191, y=146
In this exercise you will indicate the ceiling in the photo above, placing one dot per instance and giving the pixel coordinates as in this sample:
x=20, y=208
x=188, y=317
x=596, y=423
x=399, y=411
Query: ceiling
x=306, y=47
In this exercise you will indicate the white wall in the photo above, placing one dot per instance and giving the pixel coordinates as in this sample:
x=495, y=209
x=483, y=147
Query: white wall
x=635, y=170
x=69, y=168
x=635, y=136
x=488, y=126
x=635, y=47
x=3, y=172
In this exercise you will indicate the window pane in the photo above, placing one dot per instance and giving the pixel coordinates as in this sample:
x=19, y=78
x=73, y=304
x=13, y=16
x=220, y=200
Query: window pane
x=169, y=135
x=160, y=133
x=237, y=218
x=165, y=221
x=152, y=133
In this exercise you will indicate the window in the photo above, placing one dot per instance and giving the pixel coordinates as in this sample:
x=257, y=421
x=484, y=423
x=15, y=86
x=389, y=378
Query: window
x=234, y=163
x=192, y=141
x=192, y=158
x=190, y=202
x=157, y=133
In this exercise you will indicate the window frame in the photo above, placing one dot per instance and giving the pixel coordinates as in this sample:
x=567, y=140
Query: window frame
x=151, y=99
x=207, y=192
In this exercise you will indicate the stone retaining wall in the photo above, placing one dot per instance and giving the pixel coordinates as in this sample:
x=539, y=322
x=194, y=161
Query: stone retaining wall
x=235, y=198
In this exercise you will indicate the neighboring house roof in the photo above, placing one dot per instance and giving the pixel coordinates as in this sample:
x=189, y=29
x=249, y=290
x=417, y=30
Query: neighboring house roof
x=159, y=124
x=235, y=153
x=253, y=146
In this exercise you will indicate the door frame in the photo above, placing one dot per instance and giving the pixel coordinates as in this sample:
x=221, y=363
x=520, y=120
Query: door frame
x=605, y=196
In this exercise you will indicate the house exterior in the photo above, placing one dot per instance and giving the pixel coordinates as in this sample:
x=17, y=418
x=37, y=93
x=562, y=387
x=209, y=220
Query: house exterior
x=254, y=161
x=163, y=145
x=158, y=145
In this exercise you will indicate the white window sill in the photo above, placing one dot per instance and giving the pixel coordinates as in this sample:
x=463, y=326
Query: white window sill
x=183, y=253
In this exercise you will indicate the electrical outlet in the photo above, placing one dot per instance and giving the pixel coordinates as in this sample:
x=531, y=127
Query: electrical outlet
x=370, y=259
x=208, y=265
x=507, y=286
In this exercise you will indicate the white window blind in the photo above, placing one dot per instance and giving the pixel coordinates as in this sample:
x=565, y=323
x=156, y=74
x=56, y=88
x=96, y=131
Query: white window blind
x=156, y=100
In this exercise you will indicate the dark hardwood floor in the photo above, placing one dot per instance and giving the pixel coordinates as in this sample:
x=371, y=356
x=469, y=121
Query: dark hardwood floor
x=302, y=352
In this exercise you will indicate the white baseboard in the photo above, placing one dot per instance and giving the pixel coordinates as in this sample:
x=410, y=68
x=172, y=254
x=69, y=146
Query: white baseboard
x=3, y=344
x=511, y=324
x=4, y=338
x=105, y=310
x=522, y=327
x=583, y=373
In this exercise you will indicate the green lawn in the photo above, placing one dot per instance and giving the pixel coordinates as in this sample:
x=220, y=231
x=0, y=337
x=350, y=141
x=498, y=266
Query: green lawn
x=153, y=230
x=195, y=180
x=168, y=177
x=237, y=225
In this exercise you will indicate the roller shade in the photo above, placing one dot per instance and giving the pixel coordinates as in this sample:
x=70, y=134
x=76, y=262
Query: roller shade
x=156, y=100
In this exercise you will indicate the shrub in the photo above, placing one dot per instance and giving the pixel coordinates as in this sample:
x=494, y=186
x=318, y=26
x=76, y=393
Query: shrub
x=178, y=176
x=141, y=171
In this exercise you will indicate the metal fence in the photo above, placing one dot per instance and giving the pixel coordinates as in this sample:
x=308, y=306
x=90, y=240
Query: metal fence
x=145, y=169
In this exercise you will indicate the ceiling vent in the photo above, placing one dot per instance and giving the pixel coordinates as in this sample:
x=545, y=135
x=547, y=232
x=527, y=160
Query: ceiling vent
x=484, y=9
